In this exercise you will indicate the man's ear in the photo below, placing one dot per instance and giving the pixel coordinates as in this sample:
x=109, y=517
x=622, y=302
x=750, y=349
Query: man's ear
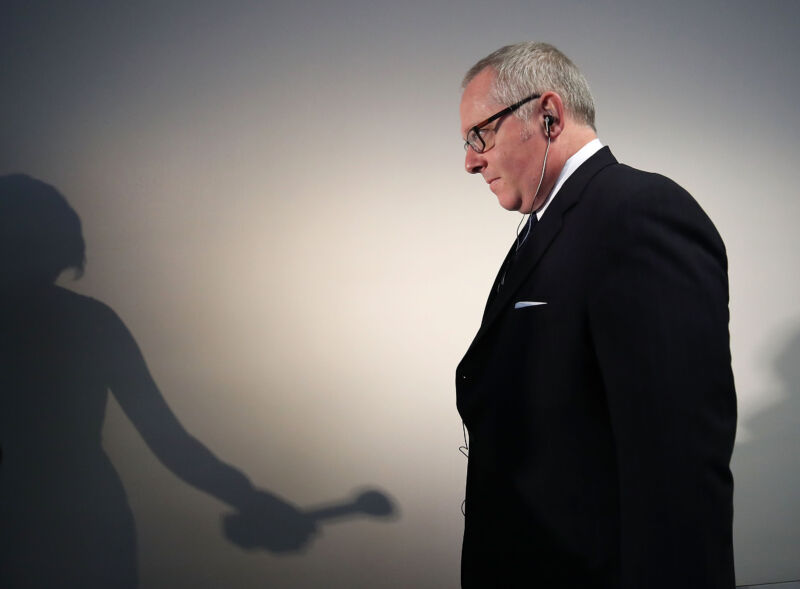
x=550, y=115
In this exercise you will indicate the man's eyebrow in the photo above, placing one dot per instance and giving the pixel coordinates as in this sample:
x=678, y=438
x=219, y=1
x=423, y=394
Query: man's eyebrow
x=468, y=129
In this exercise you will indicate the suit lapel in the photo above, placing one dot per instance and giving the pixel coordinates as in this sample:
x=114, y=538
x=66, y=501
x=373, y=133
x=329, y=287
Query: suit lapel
x=546, y=230
x=499, y=280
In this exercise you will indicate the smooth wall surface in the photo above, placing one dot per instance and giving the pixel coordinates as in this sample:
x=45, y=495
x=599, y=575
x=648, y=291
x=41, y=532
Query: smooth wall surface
x=274, y=202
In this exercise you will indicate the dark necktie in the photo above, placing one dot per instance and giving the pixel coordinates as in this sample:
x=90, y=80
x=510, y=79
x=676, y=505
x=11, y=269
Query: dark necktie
x=525, y=234
x=522, y=239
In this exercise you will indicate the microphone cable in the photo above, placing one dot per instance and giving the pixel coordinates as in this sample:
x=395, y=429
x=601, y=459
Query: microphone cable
x=541, y=179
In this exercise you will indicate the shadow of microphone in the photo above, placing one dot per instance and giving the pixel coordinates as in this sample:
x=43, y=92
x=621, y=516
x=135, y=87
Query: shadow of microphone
x=272, y=531
x=371, y=503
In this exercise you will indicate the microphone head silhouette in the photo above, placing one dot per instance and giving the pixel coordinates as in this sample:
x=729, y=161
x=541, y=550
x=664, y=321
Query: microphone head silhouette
x=367, y=503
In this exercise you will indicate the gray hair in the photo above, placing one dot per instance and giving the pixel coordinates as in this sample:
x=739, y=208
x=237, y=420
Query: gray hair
x=529, y=68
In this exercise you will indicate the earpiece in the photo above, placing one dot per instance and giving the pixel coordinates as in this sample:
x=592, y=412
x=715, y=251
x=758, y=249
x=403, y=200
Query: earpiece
x=548, y=120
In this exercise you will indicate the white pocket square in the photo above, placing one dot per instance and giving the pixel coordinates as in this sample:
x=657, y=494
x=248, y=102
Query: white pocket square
x=523, y=304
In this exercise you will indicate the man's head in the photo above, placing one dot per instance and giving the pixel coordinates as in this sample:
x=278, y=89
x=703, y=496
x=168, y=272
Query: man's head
x=509, y=150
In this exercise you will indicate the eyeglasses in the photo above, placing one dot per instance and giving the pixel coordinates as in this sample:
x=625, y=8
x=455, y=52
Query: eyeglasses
x=480, y=139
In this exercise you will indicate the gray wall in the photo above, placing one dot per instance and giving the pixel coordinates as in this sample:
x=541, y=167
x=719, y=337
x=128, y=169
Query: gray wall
x=274, y=202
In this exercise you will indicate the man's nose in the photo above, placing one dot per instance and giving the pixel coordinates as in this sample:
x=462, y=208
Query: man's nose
x=474, y=162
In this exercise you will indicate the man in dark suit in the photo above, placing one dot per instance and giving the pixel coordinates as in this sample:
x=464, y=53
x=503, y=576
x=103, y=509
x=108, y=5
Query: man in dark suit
x=598, y=393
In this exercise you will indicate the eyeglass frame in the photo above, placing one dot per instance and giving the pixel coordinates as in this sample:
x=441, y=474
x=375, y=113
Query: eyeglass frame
x=475, y=129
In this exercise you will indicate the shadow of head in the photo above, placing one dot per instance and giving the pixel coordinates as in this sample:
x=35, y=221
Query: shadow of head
x=40, y=234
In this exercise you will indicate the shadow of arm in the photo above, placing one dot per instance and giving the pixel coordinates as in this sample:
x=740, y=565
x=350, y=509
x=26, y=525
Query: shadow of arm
x=137, y=393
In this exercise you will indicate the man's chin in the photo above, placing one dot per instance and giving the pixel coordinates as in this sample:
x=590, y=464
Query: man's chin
x=509, y=203
x=515, y=202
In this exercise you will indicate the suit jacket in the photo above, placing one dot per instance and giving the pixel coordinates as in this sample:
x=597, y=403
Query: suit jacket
x=601, y=424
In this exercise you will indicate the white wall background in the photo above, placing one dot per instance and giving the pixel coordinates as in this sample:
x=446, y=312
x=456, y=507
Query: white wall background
x=274, y=201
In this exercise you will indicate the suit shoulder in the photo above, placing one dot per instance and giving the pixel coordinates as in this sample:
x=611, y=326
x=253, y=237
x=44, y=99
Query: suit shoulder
x=618, y=188
x=628, y=201
x=626, y=182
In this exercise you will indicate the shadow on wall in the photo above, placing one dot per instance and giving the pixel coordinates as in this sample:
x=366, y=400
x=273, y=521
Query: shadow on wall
x=66, y=521
x=768, y=477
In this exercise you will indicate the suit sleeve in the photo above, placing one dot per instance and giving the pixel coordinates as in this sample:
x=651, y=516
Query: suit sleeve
x=659, y=323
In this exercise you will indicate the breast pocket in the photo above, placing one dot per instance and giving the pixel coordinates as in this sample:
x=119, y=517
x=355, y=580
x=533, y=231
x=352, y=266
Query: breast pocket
x=526, y=304
x=529, y=319
x=537, y=322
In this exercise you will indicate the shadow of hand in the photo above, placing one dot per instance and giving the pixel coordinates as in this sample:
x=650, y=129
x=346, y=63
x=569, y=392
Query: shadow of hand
x=269, y=523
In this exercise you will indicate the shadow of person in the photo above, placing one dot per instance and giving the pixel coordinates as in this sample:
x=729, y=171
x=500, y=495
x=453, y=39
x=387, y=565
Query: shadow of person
x=65, y=517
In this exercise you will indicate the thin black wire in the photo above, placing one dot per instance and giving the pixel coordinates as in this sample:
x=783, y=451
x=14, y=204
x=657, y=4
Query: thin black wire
x=541, y=179
x=465, y=451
